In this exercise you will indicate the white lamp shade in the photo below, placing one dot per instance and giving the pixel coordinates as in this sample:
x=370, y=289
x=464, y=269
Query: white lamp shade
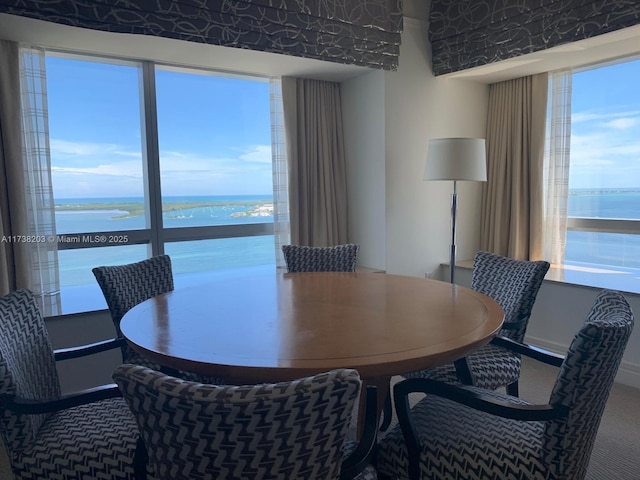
x=456, y=159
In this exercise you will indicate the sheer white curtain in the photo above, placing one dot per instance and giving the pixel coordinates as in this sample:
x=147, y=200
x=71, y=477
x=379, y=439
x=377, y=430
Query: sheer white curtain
x=556, y=165
x=45, y=279
x=281, y=229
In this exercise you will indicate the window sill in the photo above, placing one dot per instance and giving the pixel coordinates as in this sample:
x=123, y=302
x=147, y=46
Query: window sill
x=622, y=279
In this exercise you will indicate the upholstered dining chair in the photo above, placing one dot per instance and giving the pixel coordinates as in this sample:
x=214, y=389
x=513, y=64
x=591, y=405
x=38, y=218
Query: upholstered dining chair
x=90, y=434
x=337, y=258
x=295, y=429
x=125, y=286
x=514, y=284
x=463, y=432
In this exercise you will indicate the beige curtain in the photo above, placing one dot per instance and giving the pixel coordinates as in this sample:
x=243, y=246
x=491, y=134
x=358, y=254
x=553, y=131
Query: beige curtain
x=280, y=172
x=556, y=168
x=14, y=254
x=317, y=170
x=512, y=206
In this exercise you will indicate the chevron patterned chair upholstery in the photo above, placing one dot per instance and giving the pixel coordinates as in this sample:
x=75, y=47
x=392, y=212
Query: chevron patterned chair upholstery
x=288, y=430
x=463, y=432
x=89, y=435
x=125, y=286
x=338, y=258
x=514, y=284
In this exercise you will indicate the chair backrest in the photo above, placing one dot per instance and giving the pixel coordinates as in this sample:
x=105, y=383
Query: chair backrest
x=338, y=258
x=27, y=366
x=125, y=286
x=584, y=383
x=514, y=284
x=285, y=430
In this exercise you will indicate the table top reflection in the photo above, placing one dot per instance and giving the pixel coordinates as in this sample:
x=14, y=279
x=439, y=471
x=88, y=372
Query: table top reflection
x=278, y=326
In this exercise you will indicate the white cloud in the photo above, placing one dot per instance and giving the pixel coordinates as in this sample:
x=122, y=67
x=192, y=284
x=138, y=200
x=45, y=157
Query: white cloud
x=622, y=123
x=66, y=149
x=117, y=169
x=580, y=117
x=605, y=157
x=259, y=153
x=122, y=169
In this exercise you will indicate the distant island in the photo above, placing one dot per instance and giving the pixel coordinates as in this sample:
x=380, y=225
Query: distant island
x=135, y=209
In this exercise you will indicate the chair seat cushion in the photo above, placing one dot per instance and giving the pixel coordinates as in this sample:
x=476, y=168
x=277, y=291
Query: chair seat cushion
x=492, y=367
x=94, y=441
x=458, y=442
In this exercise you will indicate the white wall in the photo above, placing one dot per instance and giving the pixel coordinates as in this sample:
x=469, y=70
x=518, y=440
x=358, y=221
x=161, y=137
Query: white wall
x=82, y=329
x=419, y=107
x=364, y=130
x=560, y=311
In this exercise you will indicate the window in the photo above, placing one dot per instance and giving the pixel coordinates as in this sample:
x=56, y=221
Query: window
x=149, y=159
x=603, y=225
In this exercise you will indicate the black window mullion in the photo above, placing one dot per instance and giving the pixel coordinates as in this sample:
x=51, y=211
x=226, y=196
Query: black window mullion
x=151, y=158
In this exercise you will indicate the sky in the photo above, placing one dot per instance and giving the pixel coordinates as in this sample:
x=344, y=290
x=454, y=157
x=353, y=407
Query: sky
x=214, y=132
x=605, y=127
x=215, y=139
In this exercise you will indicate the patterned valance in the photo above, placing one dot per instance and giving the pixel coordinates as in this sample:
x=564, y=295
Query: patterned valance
x=470, y=33
x=357, y=32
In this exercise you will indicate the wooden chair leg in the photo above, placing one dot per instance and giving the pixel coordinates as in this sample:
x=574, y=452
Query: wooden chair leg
x=387, y=413
x=140, y=460
x=512, y=389
x=463, y=371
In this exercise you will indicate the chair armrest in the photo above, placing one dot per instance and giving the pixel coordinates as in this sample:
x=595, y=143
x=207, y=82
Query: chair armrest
x=364, y=452
x=474, y=399
x=536, y=353
x=83, y=397
x=89, y=349
x=464, y=396
x=516, y=324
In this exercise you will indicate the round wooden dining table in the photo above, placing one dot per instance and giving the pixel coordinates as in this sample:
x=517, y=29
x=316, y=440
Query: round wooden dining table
x=269, y=326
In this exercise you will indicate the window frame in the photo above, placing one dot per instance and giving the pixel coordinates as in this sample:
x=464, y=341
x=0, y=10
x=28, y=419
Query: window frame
x=155, y=235
x=622, y=226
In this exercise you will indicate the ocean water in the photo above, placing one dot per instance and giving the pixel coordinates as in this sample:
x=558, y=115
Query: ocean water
x=95, y=215
x=589, y=248
x=80, y=291
x=85, y=215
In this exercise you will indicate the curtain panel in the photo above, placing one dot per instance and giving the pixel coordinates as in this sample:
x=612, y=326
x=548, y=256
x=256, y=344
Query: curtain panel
x=357, y=32
x=14, y=253
x=38, y=191
x=512, y=206
x=317, y=165
x=28, y=250
x=556, y=166
x=281, y=229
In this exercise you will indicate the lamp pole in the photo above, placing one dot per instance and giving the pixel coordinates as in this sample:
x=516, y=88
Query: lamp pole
x=452, y=253
x=456, y=159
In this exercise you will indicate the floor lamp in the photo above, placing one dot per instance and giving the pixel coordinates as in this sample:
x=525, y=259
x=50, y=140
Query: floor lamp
x=456, y=159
